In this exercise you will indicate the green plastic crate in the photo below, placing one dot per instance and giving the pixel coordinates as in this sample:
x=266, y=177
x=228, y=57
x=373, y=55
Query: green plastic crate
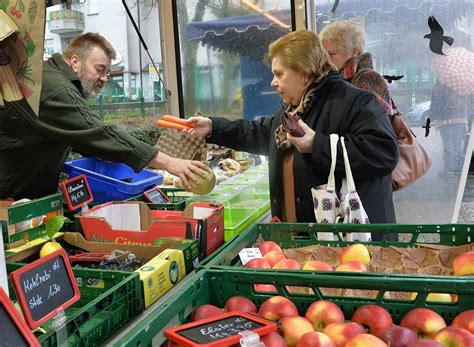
x=295, y=235
x=215, y=286
x=109, y=300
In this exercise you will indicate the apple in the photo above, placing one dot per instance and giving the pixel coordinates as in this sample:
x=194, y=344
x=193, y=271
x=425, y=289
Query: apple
x=273, y=339
x=425, y=343
x=464, y=320
x=352, y=266
x=463, y=264
x=398, y=336
x=365, y=340
x=240, y=303
x=265, y=288
x=423, y=321
x=454, y=336
x=315, y=339
x=293, y=328
x=322, y=313
x=268, y=246
x=287, y=264
x=277, y=307
x=373, y=317
x=435, y=297
x=341, y=333
x=205, y=311
x=317, y=265
x=274, y=257
x=258, y=263
x=356, y=252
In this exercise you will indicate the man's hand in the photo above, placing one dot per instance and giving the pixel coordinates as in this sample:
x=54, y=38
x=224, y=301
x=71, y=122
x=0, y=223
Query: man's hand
x=303, y=144
x=202, y=126
x=186, y=170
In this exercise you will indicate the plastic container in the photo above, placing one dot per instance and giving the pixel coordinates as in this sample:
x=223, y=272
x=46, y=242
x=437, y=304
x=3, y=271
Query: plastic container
x=295, y=235
x=109, y=300
x=214, y=286
x=178, y=202
x=112, y=181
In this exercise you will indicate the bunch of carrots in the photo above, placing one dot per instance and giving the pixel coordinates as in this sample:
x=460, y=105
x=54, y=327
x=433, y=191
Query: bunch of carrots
x=171, y=122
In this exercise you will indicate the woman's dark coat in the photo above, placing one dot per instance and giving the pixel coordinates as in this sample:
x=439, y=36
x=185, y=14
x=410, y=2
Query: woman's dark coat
x=338, y=107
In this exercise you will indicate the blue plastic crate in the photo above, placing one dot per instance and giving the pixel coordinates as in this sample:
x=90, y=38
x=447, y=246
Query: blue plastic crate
x=112, y=181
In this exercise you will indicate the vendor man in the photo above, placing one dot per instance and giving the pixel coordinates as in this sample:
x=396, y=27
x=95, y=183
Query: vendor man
x=65, y=122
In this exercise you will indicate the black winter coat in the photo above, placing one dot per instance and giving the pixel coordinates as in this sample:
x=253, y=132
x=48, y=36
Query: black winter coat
x=338, y=107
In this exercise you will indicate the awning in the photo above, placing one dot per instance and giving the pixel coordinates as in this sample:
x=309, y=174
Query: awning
x=234, y=34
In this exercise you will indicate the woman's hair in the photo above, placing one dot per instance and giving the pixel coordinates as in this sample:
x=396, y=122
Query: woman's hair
x=302, y=51
x=81, y=46
x=348, y=35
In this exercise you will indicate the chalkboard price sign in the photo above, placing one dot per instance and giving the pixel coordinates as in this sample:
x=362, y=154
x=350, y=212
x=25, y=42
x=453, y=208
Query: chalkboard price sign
x=221, y=330
x=44, y=286
x=156, y=196
x=13, y=329
x=77, y=192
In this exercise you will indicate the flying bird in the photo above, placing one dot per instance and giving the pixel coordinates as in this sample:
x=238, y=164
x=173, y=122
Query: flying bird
x=437, y=37
x=333, y=9
x=427, y=126
x=391, y=78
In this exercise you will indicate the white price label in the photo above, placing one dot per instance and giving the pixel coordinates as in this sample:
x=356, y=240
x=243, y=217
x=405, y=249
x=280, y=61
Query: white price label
x=247, y=254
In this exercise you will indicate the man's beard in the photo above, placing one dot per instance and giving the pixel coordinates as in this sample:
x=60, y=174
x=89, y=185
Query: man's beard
x=90, y=90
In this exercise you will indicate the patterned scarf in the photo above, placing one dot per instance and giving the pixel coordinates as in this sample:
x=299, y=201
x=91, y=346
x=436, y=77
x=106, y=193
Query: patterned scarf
x=299, y=111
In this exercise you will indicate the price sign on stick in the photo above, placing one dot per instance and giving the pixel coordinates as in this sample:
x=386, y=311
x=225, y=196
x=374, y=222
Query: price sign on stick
x=13, y=329
x=221, y=330
x=156, y=196
x=45, y=286
x=77, y=192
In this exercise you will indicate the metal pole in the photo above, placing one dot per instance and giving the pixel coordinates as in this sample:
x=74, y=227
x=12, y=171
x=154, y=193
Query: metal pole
x=142, y=100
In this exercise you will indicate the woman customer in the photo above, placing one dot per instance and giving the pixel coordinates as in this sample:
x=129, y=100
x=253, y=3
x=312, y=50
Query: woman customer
x=311, y=88
x=344, y=41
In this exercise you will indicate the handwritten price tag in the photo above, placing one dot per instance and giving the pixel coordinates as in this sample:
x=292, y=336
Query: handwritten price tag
x=247, y=254
x=76, y=192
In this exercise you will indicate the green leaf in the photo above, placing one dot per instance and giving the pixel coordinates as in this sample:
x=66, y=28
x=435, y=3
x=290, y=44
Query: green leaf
x=22, y=6
x=54, y=225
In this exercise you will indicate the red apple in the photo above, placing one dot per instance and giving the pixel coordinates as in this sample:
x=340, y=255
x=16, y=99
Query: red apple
x=465, y=320
x=454, y=336
x=463, y=264
x=365, y=340
x=317, y=265
x=277, y=307
x=274, y=340
x=423, y=321
x=322, y=313
x=287, y=264
x=293, y=328
x=356, y=252
x=373, y=317
x=398, y=336
x=205, y=311
x=265, y=288
x=352, y=266
x=268, y=246
x=258, y=263
x=425, y=343
x=240, y=303
x=274, y=257
x=341, y=333
x=315, y=339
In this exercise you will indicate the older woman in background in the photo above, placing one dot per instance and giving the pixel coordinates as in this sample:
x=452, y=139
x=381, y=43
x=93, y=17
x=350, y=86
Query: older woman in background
x=311, y=88
x=344, y=41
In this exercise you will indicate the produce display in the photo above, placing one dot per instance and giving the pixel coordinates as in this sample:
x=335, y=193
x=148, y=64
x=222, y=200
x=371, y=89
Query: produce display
x=324, y=325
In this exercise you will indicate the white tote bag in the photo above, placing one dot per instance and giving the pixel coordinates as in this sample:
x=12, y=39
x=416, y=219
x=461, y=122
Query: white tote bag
x=325, y=199
x=351, y=209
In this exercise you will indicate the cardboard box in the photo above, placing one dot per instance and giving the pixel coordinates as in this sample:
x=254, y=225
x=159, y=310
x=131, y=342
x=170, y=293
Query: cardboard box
x=169, y=267
x=21, y=223
x=132, y=222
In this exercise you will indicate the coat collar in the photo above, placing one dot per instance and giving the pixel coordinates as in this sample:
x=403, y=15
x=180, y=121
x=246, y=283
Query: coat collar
x=58, y=61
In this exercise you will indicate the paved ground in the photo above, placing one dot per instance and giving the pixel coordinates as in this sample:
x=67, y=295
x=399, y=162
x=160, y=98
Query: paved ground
x=466, y=213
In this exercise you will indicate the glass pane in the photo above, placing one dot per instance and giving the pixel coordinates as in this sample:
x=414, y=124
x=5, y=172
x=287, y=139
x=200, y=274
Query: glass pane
x=223, y=44
x=433, y=86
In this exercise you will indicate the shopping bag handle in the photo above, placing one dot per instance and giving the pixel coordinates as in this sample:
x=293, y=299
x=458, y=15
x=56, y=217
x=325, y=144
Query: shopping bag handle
x=332, y=180
x=347, y=165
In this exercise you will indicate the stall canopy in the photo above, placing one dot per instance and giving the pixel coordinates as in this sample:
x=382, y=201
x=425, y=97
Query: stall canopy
x=234, y=34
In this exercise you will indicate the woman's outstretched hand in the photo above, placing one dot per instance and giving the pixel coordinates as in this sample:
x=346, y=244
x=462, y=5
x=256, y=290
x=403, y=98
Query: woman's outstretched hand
x=202, y=126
